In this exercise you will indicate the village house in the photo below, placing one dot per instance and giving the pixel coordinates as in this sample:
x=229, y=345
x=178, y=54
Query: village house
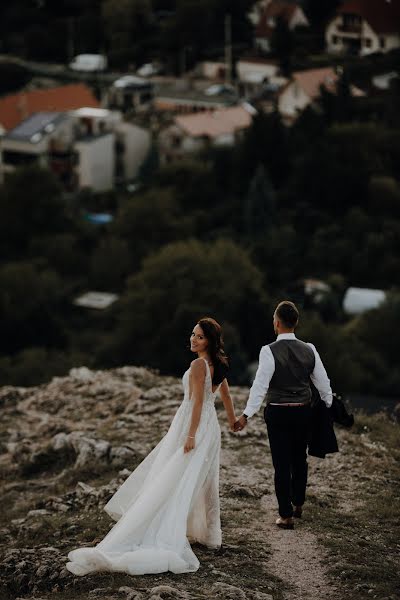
x=212, y=69
x=304, y=89
x=87, y=148
x=44, y=139
x=192, y=133
x=254, y=72
x=363, y=27
x=185, y=96
x=130, y=93
x=269, y=13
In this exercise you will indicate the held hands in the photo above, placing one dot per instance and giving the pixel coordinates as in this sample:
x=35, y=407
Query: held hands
x=189, y=444
x=240, y=424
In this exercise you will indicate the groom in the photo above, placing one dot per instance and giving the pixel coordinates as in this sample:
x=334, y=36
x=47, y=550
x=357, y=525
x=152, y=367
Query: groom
x=284, y=372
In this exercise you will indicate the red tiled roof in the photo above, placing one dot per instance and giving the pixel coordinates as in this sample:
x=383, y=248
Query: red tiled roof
x=216, y=123
x=311, y=80
x=275, y=9
x=382, y=15
x=17, y=107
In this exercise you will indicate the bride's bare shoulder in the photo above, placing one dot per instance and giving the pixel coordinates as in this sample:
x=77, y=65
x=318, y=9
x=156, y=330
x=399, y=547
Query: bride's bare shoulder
x=198, y=367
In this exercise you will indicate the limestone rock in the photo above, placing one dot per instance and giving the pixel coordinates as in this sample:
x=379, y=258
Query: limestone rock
x=224, y=591
x=166, y=592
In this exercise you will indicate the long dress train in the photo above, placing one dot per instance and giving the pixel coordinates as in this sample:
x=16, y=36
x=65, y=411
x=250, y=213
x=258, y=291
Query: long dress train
x=169, y=499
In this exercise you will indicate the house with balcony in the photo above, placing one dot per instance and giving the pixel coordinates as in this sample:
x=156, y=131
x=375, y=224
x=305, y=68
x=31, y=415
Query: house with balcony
x=363, y=27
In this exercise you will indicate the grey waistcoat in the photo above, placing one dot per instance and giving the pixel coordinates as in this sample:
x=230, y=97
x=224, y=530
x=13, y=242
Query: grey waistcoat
x=294, y=363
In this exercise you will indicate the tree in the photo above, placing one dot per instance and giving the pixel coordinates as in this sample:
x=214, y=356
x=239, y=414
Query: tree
x=265, y=142
x=31, y=204
x=128, y=26
x=259, y=205
x=283, y=44
x=320, y=12
x=174, y=288
x=110, y=263
x=148, y=221
x=338, y=105
x=30, y=301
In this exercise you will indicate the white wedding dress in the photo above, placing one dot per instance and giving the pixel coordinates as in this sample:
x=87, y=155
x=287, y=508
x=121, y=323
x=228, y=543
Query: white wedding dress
x=170, y=499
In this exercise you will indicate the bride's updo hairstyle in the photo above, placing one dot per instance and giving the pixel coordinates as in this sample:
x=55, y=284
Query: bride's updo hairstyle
x=213, y=332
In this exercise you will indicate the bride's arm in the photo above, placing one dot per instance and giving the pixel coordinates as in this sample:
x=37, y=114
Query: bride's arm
x=198, y=375
x=227, y=400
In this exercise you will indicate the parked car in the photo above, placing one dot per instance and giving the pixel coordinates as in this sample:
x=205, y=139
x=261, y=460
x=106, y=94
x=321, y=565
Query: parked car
x=149, y=69
x=220, y=89
x=89, y=63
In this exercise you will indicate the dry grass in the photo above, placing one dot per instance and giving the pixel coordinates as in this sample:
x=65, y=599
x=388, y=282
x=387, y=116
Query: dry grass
x=364, y=545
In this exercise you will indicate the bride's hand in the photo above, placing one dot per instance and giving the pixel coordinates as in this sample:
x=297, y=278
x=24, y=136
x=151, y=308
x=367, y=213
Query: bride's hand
x=189, y=444
x=232, y=423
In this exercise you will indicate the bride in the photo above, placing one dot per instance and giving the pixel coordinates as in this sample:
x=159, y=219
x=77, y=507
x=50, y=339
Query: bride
x=172, y=497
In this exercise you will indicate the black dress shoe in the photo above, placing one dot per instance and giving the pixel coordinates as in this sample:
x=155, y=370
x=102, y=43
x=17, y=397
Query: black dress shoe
x=287, y=523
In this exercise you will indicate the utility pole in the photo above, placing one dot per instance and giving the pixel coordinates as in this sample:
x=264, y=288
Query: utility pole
x=228, y=48
x=70, y=41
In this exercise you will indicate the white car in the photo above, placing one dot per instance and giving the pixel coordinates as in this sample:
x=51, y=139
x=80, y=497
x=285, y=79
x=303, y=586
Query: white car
x=218, y=89
x=127, y=81
x=89, y=63
x=149, y=69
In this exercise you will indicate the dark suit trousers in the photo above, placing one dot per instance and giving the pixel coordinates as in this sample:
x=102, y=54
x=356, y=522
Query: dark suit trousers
x=288, y=432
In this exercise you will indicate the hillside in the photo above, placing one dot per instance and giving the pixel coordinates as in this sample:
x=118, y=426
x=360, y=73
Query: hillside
x=67, y=445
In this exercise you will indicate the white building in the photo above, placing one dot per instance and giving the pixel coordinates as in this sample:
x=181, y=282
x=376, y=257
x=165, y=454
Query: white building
x=131, y=93
x=363, y=27
x=95, y=162
x=358, y=300
x=257, y=74
x=132, y=148
x=255, y=71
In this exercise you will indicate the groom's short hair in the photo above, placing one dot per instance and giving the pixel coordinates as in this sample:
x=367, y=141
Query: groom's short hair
x=287, y=313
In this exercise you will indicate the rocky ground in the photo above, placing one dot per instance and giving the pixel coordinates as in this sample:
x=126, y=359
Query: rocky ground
x=65, y=447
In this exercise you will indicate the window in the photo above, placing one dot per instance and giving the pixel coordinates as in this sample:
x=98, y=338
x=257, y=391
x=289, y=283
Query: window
x=145, y=97
x=11, y=157
x=367, y=42
x=351, y=23
x=382, y=42
x=335, y=40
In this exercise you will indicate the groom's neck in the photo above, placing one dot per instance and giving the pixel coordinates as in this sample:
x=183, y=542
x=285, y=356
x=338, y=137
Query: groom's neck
x=284, y=330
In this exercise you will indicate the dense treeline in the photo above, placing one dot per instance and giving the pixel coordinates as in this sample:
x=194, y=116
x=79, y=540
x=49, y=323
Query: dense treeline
x=228, y=233
x=135, y=31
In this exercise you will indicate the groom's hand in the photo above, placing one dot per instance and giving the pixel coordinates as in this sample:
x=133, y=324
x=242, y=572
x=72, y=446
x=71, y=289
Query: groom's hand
x=240, y=423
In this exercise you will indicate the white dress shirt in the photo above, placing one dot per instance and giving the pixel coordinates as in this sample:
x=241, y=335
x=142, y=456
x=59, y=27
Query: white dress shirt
x=266, y=368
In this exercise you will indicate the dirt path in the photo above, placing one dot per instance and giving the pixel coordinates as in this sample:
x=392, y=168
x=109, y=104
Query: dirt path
x=296, y=558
